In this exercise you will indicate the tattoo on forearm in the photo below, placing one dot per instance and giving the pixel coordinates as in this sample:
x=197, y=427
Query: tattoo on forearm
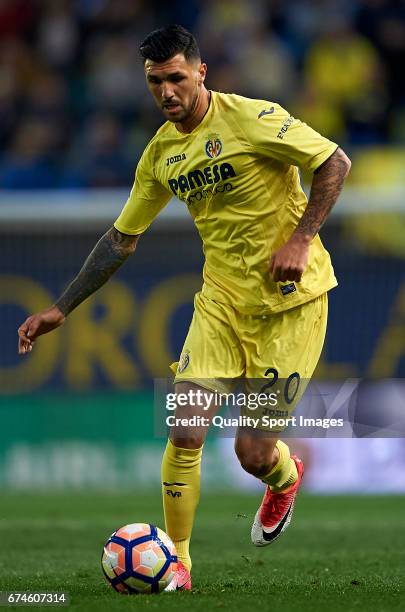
x=107, y=256
x=326, y=186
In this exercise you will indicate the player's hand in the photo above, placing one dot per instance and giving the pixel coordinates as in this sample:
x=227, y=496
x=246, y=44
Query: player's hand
x=289, y=262
x=36, y=325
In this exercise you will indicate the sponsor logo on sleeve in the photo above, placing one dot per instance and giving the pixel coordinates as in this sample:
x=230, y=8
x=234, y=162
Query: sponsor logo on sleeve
x=285, y=127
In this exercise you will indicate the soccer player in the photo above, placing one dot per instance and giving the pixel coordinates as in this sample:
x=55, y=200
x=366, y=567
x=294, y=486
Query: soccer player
x=262, y=309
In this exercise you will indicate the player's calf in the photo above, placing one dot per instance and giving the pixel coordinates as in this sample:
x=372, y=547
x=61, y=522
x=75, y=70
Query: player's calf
x=257, y=454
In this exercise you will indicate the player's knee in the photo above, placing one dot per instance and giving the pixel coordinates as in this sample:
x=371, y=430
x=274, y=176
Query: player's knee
x=254, y=462
x=189, y=441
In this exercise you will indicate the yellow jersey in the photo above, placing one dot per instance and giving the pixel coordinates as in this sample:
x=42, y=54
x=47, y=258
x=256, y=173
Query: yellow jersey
x=237, y=174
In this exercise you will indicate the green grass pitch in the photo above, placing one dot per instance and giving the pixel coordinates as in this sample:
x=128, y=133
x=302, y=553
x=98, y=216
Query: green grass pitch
x=340, y=553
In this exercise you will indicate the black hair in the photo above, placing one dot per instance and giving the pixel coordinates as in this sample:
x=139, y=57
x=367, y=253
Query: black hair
x=164, y=43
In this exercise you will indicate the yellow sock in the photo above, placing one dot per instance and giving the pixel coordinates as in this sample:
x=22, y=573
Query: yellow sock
x=284, y=474
x=181, y=469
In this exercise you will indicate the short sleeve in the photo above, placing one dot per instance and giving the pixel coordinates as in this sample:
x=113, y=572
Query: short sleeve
x=146, y=200
x=275, y=133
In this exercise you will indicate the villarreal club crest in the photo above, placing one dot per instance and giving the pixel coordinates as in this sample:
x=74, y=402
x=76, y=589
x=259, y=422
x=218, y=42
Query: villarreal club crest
x=213, y=146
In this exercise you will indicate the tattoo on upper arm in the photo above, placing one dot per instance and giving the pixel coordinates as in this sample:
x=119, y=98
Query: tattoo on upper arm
x=326, y=186
x=107, y=256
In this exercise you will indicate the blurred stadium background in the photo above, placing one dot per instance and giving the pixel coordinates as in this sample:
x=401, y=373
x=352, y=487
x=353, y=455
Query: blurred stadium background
x=75, y=116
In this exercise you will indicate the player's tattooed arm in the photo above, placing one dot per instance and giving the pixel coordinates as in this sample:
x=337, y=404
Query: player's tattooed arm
x=327, y=183
x=107, y=256
x=290, y=260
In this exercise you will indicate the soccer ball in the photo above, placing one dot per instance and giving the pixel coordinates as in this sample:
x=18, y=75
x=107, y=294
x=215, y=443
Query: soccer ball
x=139, y=558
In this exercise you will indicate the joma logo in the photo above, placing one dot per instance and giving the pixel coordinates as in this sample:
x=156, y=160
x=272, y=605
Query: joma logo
x=175, y=159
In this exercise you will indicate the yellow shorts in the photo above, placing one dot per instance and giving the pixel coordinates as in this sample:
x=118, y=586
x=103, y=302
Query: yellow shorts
x=275, y=353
